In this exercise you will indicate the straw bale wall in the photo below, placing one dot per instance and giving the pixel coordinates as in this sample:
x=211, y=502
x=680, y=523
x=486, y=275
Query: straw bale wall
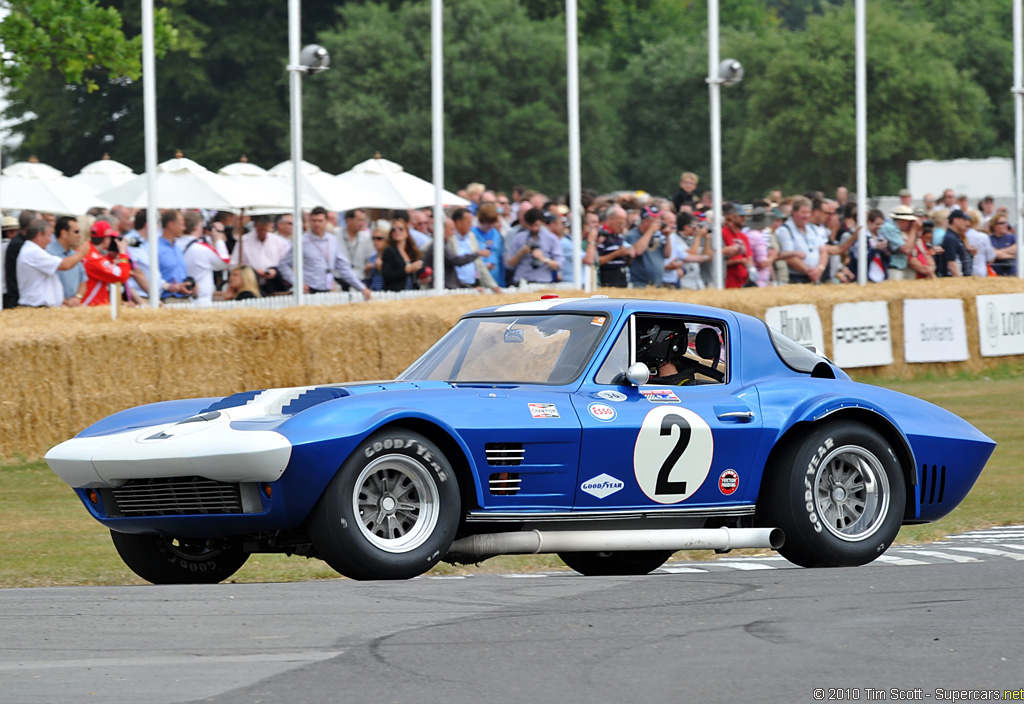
x=63, y=369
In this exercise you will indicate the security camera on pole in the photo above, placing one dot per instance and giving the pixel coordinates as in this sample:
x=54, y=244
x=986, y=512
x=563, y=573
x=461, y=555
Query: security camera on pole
x=728, y=72
x=313, y=58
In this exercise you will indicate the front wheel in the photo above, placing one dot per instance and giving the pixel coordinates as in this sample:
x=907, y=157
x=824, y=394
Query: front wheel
x=390, y=512
x=622, y=562
x=162, y=560
x=839, y=496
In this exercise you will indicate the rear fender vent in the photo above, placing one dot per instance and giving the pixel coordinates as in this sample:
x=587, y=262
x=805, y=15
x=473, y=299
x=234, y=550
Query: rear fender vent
x=933, y=483
x=504, y=483
x=504, y=454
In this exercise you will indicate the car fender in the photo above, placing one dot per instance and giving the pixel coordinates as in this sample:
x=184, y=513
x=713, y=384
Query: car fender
x=324, y=437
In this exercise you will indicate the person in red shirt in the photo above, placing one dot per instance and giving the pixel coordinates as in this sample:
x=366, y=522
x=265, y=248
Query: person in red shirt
x=735, y=246
x=104, y=267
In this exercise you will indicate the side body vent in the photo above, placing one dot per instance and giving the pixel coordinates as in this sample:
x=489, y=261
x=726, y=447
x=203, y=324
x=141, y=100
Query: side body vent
x=504, y=454
x=933, y=483
x=504, y=483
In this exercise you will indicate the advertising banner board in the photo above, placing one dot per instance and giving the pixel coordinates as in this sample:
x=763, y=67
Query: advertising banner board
x=800, y=323
x=861, y=335
x=1001, y=324
x=934, y=330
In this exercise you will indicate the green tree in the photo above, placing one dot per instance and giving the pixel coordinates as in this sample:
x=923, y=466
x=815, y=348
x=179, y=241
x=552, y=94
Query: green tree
x=505, y=96
x=799, y=128
x=77, y=38
x=222, y=91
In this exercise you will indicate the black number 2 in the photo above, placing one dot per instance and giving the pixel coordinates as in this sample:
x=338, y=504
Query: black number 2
x=664, y=486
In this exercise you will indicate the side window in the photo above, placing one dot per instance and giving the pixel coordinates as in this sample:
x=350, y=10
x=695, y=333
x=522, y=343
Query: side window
x=682, y=351
x=617, y=361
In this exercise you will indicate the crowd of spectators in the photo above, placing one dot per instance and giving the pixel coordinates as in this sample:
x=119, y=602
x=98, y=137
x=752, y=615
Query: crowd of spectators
x=628, y=240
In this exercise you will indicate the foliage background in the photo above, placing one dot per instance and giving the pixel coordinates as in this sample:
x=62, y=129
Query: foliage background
x=939, y=78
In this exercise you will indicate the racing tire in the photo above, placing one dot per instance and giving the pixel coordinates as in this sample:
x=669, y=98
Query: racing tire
x=839, y=496
x=162, y=560
x=615, y=563
x=390, y=512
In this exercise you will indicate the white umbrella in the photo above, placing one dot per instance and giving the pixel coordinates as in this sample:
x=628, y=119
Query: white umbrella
x=273, y=192
x=323, y=189
x=182, y=183
x=395, y=188
x=29, y=185
x=103, y=174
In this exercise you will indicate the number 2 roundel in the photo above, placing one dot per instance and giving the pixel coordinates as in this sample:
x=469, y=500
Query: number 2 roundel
x=673, y=454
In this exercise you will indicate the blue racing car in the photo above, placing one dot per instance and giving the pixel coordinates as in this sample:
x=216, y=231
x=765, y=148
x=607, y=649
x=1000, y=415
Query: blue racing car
x=612, y=432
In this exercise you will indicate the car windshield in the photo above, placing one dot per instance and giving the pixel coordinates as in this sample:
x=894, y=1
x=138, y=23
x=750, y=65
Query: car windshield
x=504, y=349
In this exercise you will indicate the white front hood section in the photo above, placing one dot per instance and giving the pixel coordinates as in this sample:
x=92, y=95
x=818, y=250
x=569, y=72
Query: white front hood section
x=205, y=445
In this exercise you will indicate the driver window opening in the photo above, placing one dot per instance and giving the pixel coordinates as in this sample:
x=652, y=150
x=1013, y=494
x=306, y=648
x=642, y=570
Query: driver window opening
x=681, y=352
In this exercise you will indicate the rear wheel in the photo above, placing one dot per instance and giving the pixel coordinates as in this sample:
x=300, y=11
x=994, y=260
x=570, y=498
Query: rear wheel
x=162, y=560
x=839, y=496
x=391, y=511
x=622, y=562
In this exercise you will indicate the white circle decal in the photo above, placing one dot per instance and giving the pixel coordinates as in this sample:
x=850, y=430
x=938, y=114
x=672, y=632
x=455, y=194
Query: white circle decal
x=673, y=454
x=602, y=411
x=610, y=395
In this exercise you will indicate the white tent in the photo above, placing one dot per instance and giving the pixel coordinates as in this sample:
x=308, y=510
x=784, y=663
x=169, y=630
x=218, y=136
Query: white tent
x=393, y=187
x=104, y=174
x=182, y=183
x=29, y=185
x=273, y=192
x=322, y=188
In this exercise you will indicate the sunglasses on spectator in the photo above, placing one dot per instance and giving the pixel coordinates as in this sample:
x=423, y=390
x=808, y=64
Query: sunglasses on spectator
x=1002, y=222
x=378, y=238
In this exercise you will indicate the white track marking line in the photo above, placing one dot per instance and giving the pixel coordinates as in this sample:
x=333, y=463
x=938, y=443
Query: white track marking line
x=944, y=555
x=674, y=569
x=1011, y=545
x=890, y=560
x=170, y=660
x=744, y=565
x=989, y=551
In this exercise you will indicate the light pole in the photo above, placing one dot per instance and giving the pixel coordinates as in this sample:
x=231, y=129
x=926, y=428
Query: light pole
x=727, y=72
x=311, y=59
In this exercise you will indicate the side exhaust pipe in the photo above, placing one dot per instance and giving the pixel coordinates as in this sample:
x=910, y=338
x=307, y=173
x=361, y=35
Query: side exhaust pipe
x=533, y=542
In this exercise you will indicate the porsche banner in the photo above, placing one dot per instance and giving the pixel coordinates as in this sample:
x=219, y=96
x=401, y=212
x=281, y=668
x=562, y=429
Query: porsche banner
x=861, y=336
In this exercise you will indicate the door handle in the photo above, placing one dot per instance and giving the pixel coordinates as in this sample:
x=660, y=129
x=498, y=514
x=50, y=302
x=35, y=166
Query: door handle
x=742, y=416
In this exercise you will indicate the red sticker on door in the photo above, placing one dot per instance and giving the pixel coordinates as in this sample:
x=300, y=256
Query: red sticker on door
x=729, y=482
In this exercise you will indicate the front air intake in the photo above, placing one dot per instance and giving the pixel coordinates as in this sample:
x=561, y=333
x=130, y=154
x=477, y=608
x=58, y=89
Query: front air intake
x=173, y=496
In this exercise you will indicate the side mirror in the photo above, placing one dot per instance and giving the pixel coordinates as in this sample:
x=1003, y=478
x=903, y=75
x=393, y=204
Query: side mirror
x=638, y=374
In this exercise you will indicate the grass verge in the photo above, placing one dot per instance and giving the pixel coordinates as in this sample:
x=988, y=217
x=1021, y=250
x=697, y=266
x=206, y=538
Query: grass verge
x=49, y=539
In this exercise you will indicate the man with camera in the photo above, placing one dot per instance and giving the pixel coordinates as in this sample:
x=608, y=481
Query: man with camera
x=176, y=281
x=535, y=253
x=106, y=263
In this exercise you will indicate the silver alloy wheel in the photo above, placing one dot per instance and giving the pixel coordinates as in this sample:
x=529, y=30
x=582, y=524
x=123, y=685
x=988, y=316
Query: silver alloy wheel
x=397, y=502
x=851, y=493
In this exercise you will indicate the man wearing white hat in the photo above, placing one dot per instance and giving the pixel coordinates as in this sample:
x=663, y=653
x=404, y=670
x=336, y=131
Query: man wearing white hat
x=901, y=238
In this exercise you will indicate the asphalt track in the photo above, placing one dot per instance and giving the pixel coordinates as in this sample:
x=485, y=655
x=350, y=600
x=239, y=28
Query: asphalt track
x=921, y=625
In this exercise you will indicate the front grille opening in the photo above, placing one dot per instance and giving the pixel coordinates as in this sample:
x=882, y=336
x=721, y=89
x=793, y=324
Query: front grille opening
x=504, y=483
x=504, y=454
x=174, y=496
x=932, y=484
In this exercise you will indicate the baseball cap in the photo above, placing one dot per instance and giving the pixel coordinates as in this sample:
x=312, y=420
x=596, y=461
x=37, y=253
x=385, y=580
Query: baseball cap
x=958, y=215
x=102, y=228
x=651, y=211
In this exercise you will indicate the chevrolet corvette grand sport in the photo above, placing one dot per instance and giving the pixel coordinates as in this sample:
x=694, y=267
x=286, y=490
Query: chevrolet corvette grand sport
x=612, y=432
